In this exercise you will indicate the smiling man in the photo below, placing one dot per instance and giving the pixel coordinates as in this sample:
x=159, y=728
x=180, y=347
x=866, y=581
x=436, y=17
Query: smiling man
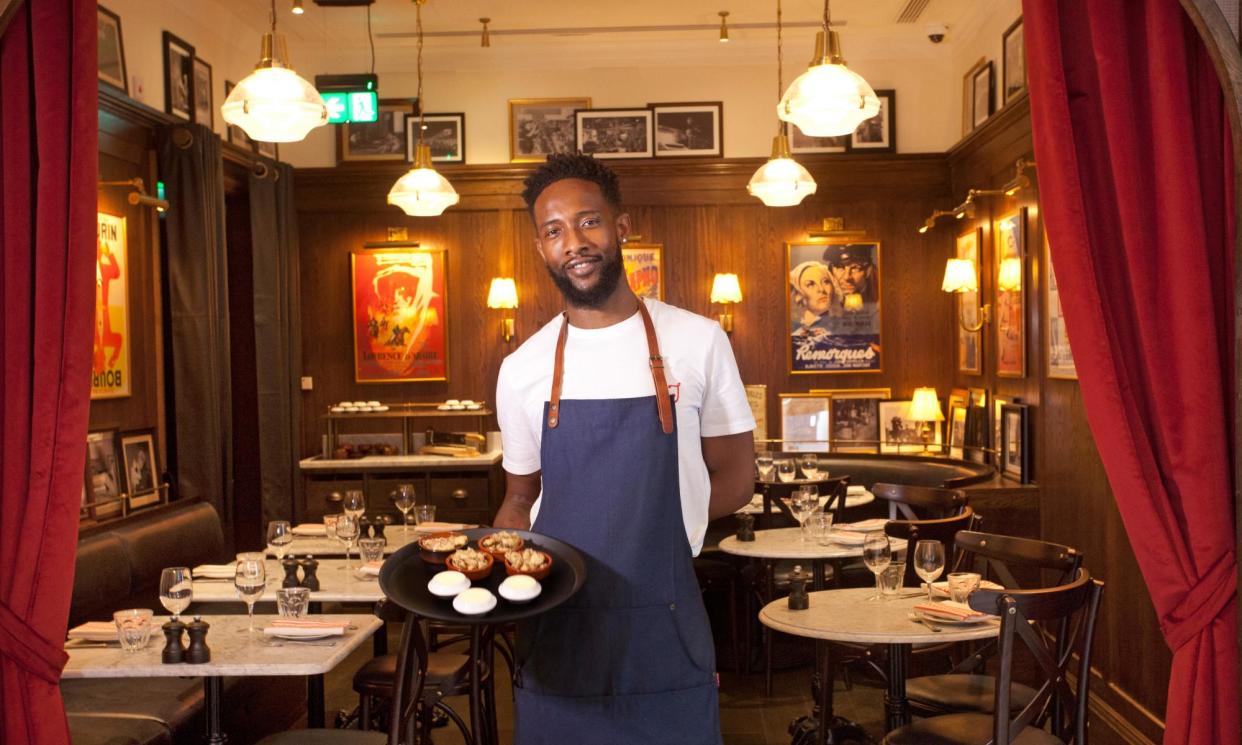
x=625, y=428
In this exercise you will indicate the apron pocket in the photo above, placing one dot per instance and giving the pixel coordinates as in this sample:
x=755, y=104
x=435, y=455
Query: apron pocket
x=694, y=629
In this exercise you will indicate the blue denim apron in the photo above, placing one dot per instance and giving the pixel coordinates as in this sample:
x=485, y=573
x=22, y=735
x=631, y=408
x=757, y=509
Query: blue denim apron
x=629, y=660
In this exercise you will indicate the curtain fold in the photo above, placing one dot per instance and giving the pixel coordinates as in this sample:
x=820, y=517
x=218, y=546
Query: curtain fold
x=48, y=170
x=1135, y=165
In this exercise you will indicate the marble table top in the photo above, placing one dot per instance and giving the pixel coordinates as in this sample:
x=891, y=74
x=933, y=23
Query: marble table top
x=847, y=616
x=335, y=585
x=321, y=545
x=233, y=652
x=783, y=543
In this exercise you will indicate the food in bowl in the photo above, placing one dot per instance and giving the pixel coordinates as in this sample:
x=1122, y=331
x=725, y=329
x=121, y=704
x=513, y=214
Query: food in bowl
x=530, y=561
x=520, y=588
x=437, y=546
x=474, y=602
x=448, y=584
x=499, y=544
x=474, y=564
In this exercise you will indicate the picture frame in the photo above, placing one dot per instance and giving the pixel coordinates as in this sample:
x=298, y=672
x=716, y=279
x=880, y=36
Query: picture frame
x=976, y=440
x=879, y=133
x=445, y=134
x=757, y=398
x=900, y=434
x=141, y=467
x=111, y=50
x=407, y=341
x=982, y=94
x=805, y=423
x=827, y=333
x=1009, y=245
x=969, y=343
x=1013, y=62
x=854, y=422
x=102, y=474
x=380, y=141
x=644, y=268
x=235, y=134
x=957, y=431
x=267, y=149
x=801, y=144
x=204, y=110
x=110, y=358
x=998, y=406
x=610, y=134
x=968, y=113
x=686, y=130
x=539, y=127
x=1016, y=442
x=1057, y=347
x=178, y=77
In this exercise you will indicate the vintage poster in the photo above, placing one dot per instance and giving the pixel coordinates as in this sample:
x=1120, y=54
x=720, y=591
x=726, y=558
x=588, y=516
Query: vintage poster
x=834, y=306
x=110, y=361
x=643, y=269
x=1009, y=236
x=757, y=397
x=400, y=319
x=1060, y=358
x=969, y=343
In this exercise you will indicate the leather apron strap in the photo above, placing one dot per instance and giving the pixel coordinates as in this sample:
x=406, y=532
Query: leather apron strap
x=663, y=404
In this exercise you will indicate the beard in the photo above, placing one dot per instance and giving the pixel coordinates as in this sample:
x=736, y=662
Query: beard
x=611, y=270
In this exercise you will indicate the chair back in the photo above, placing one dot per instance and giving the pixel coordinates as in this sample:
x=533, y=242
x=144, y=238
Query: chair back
x=920, y=502
x=1025, y=615
x=411, y=676
x=776, y=512
x=944, y=530
x=996, y=556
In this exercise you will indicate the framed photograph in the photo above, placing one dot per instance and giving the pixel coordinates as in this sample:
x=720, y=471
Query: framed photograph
x=539, y=127
x=103, y=472
x=1013, y=72
x=800, y=143
x=804, y=422
x=267, y=149
x=111, y=50
x=688, y=129
x=382, y=140
x=976, y=439
x=879, y=133
x=1058, y=353
x=982, y=94
x=644, y=268
x=757, y=397
x=178, y=77
x=1009, y=236
x=998, y=406
x=968, y=113
x=614, y=133
x=400, y=313
x=901, y=434
x=1015, y=442
x=854, y=423
x=833, y=306
x=236, y=135
x=204, y=111
x=141, y=468
x=445, y=134
x=969, y=343
x=957, y=431
x=110, y=368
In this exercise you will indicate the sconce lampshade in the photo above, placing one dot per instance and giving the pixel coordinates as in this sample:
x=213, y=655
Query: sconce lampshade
x=725, y=289
x=502, y=294
x=274, y=103
x=960, y=276
x=829, y=99
x=782, y=181
x=1010, y=278
x=925, y=407
x=422, y=192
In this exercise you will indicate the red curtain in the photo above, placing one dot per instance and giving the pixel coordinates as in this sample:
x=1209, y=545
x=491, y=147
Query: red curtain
x=48, y=169
x=1136, y=179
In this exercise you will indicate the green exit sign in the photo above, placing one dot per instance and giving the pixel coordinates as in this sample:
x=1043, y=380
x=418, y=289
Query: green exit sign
x=354, y=106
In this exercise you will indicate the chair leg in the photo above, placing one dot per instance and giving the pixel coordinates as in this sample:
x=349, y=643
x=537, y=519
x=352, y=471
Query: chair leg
x=461, y=725
x=767, y=662
x=364, y=712
x=733, y=648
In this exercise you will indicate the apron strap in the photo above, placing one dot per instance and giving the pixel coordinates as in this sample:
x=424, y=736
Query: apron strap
x=663, y=404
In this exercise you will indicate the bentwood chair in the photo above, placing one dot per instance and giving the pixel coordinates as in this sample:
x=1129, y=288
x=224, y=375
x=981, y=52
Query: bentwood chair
x=944, y=530
x=1024, y=616
x=920, y=502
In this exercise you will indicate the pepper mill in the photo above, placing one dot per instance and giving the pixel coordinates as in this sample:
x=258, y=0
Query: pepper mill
x=310, y=580
x=198, y=652
x=291, y=572
x=379, y=522
x=746, y=528
x=174, y=649
x=798, y=599
x=364, y=526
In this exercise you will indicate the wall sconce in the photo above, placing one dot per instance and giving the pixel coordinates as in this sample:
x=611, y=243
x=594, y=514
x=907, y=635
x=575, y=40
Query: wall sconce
x=724, y=26
x=925, y=408
x=726, y=290
x=960, y=276
x=486, y=40
x=1010, y=188
x=139, y=195
x=503, y=296
x=1009, y=278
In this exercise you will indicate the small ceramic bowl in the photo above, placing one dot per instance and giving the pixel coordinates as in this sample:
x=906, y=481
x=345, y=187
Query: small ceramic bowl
x=539, y=573
x=448, y=584
x=472, y=574
x=437, y=556
x=474, y=602
x=489, y=546
x=520, y=588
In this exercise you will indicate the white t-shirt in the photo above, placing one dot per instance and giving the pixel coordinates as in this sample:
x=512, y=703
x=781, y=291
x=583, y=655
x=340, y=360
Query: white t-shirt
x=612, y=362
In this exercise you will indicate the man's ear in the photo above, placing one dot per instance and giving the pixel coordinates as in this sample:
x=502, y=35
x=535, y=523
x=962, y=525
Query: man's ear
x=623, y=226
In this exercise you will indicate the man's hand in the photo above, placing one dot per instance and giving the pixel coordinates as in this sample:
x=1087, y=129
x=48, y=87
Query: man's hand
x=730, y=465
x=520, y=495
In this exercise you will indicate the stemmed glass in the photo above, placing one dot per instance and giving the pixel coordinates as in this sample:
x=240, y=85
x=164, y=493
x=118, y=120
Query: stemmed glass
x=803, y=504
x=763, y=463
x=877, y=555
x=786, y=471
x=279, y=537
x=355, y=504
x=347, y=533
x=810, y=466
x=404, y=501
x=176, y=590
x=250, y=579
x=928, y=562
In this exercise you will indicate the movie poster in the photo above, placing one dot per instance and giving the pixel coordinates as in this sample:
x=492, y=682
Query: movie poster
x=643, y=269
x=400, y=319
x=110, y=360
x=969, y=356
x=1009, y=237
x=1060, y=358
x=834, y=306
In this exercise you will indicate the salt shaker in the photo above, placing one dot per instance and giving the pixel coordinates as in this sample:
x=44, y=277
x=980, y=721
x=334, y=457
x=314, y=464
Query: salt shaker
x=798, y=599
x=746, y=528
x=174, y=649
x=290, y=566
x=310, y=566
x=197, y=652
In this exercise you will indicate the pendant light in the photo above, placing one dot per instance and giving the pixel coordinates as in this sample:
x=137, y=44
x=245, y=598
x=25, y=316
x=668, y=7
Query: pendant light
x=422, y=192
x=274, y=103
x=829, y=99
x=782, y=181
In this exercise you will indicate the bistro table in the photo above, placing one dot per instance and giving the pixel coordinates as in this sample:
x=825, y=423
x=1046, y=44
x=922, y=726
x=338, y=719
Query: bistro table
x=233, y=654
x=855, y=496
x=847, y=616
x=335, y=586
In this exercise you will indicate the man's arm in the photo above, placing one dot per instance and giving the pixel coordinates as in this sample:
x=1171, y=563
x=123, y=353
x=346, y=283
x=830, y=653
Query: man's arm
x=730, y=465
x=520, y=495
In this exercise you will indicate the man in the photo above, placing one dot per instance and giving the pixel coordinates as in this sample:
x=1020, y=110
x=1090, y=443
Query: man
x=852, y=267
x=625, y=428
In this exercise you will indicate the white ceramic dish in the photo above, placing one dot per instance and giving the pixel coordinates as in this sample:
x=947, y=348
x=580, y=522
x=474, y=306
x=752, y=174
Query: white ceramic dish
x=448, y=584
x=952, y=621
x=444, y=407
x=379, y=408
x=474, y=602
x=520, y=588
x=337, y=409
x=373, y=403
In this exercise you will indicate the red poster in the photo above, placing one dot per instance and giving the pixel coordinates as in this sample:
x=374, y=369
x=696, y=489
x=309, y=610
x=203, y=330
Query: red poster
x=400, y=320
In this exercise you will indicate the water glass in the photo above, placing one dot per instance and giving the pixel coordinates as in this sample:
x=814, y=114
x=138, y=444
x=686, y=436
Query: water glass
x=403, y=499
x=810, y=466
x=803, y=504
x=961, y=584
x=786, y=471
x=133, y=628
x=877, y=555
x=292, y=602
x=347, y=532
x=372, y=549
x=928, y=562
x=250, y=579
x=890, y=579
x=279, y=536
x=424, y=513
x=820, y=526
x=176, y=589
x=329, y=525
x=354, y=503
x=765, y=467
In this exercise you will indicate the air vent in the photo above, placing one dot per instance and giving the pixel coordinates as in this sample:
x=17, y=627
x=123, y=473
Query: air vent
x=912, y=11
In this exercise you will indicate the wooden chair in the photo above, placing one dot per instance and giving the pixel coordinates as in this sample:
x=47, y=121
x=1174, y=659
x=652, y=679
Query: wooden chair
x=920, y=502
x=944, y=530
x=1024, y=614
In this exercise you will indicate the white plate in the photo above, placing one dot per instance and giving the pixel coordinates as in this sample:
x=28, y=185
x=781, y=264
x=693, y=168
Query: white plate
x=953, y=622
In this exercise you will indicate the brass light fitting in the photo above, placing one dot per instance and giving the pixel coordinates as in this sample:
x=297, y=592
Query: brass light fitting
x=486, y=40
x=1010, y=188
x=724, y=26
x=139, y=195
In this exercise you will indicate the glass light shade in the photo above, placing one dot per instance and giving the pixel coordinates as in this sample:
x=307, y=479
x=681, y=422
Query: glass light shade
x=782, y=181
x=1010, y=277
x=853, y=302
x=829, y=99
x=274, y=103
x=725, y=289
x=925, y=407
x=960, y=276
x=502, y=293
x=422, y=192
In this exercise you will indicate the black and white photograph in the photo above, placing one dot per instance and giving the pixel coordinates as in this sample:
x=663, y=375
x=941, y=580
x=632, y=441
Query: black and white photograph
x=614, y=133
x=237, y=135
x=1015, y=449
x=141, y=469
x=804, y=422
x=178, y=77
x=982, y=94
x=879, y=133
x=901, y=434
x=800, y=143
x=380, y=140
x=111, y=51
x=103, y=472
x=957, y=431
x=688, y=129
x=445, y=134
x=539, y=127
x=855, y=424
x=1014, y=72
x=204, y=111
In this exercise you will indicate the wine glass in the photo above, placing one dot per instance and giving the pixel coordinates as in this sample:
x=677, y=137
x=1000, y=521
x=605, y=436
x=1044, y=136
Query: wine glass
x=403, y=498
x=763, y=463
x=877, y=555
x=928, y=562
x=810, y=466
x=804, y=502
x=279, y=537
x=355, y=503
x=347, y=533
x=176, y=590
x=786, y=471
x=250, y=579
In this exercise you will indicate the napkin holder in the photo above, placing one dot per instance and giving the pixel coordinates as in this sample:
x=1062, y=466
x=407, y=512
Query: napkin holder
x=746, y=528
x=798, y=598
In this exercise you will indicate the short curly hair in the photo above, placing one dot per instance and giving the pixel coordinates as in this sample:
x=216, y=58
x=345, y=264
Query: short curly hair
x=561, y=166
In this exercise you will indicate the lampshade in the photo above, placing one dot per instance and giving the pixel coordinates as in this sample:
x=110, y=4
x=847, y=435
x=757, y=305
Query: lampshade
x=960, y=276
x=828, y=99
x=782, y=181
x=274, y=103
x=422, y=192
x=925, y=407
x=1010, y=278
x=502, y=294
x=725, y=289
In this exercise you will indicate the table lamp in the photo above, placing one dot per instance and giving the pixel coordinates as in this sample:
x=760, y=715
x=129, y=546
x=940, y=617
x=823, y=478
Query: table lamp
x=925, y=408
x=503, y=295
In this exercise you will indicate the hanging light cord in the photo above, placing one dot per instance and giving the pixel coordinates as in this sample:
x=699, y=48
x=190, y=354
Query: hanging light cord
x=418, y=10
x=271, y=16
x=827, y=17
x=780, y=68
x=371, y=39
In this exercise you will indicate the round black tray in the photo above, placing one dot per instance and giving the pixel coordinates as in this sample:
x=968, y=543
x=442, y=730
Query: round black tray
x=405, y=575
